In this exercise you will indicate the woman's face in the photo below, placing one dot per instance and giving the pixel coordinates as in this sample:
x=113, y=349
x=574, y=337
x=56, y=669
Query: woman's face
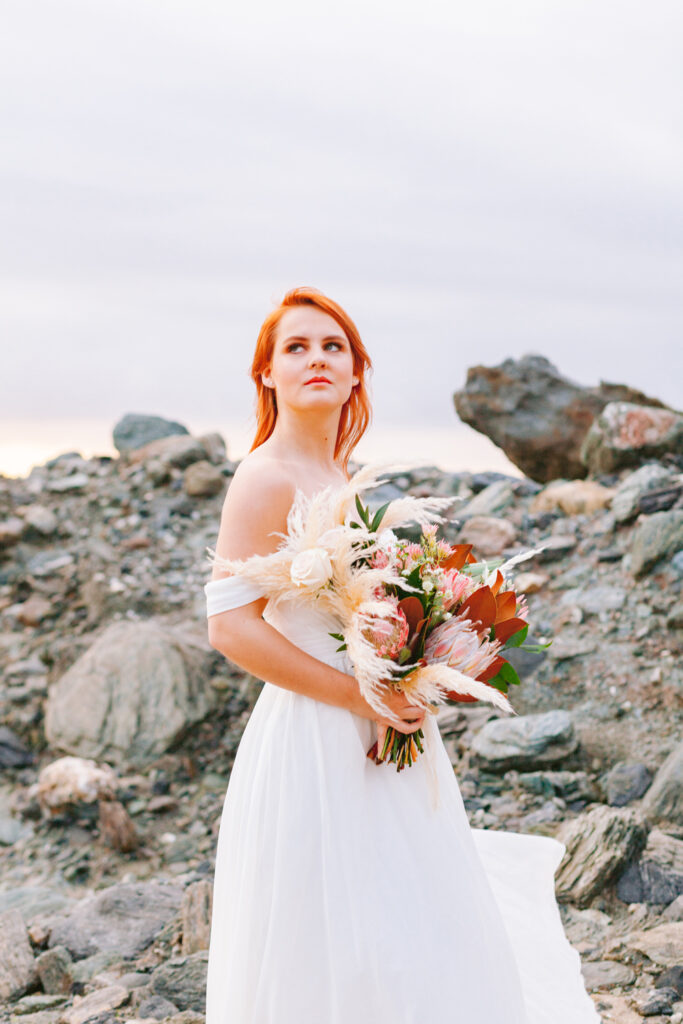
x=310, y=344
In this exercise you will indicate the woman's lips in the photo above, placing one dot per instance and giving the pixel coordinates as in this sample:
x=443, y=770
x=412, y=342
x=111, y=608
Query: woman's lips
x=318, y=380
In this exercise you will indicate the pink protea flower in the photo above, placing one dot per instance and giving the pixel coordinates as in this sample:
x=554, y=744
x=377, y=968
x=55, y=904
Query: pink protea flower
x=388, y=634
x=458, y=645
x=379, y=560
x=454, y=587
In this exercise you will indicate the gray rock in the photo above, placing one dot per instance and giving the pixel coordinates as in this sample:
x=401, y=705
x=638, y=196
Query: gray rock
x=672, y=978
x=156, y=1006
x=657, y=877
x=34, y=901
x=73, y=482
x=132, y=695
x=94, y=1007
x=137, y=429
x=626, y=434
x=491, y=501
x=674, y=619
x=651, y=476
x=568, y=785
x=664, y=798
x=202, y=480
x=625, y=782
x=527, y=741
x=662, y=944
x=13, y=752
x=599, y=843
x=122, y=919
x=538, y=417
x=40, y=520
x=17, y=966
x=656, y=537
x=659, y=1001
x=54, y=970
x=674, y=912
x=605, y=974
x=182, y=980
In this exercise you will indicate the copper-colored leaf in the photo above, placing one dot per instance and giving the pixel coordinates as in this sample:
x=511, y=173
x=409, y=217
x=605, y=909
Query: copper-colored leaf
x=412, y=609
x=506, y=629
x=457, y=558
x=506, y=604
x=479, y=607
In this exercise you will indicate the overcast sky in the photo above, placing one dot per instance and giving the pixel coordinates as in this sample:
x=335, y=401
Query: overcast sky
x=470, y=182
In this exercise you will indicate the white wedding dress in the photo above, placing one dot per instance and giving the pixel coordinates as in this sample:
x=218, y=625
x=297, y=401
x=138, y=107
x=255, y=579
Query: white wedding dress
x=346, y=892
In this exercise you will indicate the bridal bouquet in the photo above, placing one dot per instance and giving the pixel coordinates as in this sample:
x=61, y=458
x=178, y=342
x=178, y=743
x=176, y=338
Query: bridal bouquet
x=425, y=618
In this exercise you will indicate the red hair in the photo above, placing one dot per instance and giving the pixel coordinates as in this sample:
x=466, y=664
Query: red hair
x=356, y=412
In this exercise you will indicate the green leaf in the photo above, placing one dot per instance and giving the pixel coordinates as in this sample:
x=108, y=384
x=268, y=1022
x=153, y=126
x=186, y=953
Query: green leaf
x=379, y=515
x=508, y=673
x=337, y=636
x=342, y=648
x=517, y=638
x=535, y=648
x=362, y=512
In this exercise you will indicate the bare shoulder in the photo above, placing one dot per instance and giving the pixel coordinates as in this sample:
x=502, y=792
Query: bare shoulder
x=255, y=508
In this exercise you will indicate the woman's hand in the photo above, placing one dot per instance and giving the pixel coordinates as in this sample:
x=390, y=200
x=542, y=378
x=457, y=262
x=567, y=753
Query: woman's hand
x=410, y=716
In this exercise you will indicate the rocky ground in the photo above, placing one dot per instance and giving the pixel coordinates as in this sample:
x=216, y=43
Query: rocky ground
x=120, y=723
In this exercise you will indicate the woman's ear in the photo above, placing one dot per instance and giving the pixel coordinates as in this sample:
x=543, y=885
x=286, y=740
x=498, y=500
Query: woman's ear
x=267, y=380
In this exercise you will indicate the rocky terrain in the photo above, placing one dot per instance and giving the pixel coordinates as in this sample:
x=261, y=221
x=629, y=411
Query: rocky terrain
x=119, y=724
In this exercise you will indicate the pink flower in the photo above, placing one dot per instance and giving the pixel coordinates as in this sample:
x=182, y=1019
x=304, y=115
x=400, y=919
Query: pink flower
x=458, y=645
x=454, y=586
x=388, y=634
x=379, y=560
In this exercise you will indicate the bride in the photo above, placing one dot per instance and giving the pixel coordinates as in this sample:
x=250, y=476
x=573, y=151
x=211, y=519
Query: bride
x=342, y=894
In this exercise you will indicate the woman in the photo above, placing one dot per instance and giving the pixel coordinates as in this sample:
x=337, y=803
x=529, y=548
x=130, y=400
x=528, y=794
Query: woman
x=341, y=896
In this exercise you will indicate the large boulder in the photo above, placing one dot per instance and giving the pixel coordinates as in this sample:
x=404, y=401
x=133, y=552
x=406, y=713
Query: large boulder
x=123, y=918
x=538, y=417
x=658, y=876
x=625, y=434
x=525, y=741
x=137, y=429
x=132, y=695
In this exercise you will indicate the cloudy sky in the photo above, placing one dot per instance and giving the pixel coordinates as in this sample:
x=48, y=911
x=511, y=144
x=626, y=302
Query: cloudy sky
x=470, y=182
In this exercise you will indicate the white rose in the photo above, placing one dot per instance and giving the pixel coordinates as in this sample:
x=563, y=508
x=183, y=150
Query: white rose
x=311, y=568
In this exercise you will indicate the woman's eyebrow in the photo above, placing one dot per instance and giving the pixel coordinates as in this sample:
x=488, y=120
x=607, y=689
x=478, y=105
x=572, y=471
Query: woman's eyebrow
x=302, y=337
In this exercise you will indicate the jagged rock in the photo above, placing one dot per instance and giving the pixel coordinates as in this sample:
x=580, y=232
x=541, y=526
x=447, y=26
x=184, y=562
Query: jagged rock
x=17, y=966
x=196, y=916
x=527, y=741
x=86, y=1009
x=569, y=786
x=655, y=537
x=490, y=536
x=664, y=798
x=672, y=978
x=662, y=944
x=627, y=498
x=625, y=434
x=182, y=980
x=625, y=782
x=492, y=500
x=659, y=1001
x=54, y=970
x=573, y=497
x=538, y=417
x=122, y=919
x=157, y=1008
x=598, y=844
x=137, y=429
x=107, y=704
x=202, y=480
x=657, y=877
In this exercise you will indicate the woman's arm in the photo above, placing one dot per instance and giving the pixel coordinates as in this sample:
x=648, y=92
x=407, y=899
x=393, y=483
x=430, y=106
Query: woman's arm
x=256, y=505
